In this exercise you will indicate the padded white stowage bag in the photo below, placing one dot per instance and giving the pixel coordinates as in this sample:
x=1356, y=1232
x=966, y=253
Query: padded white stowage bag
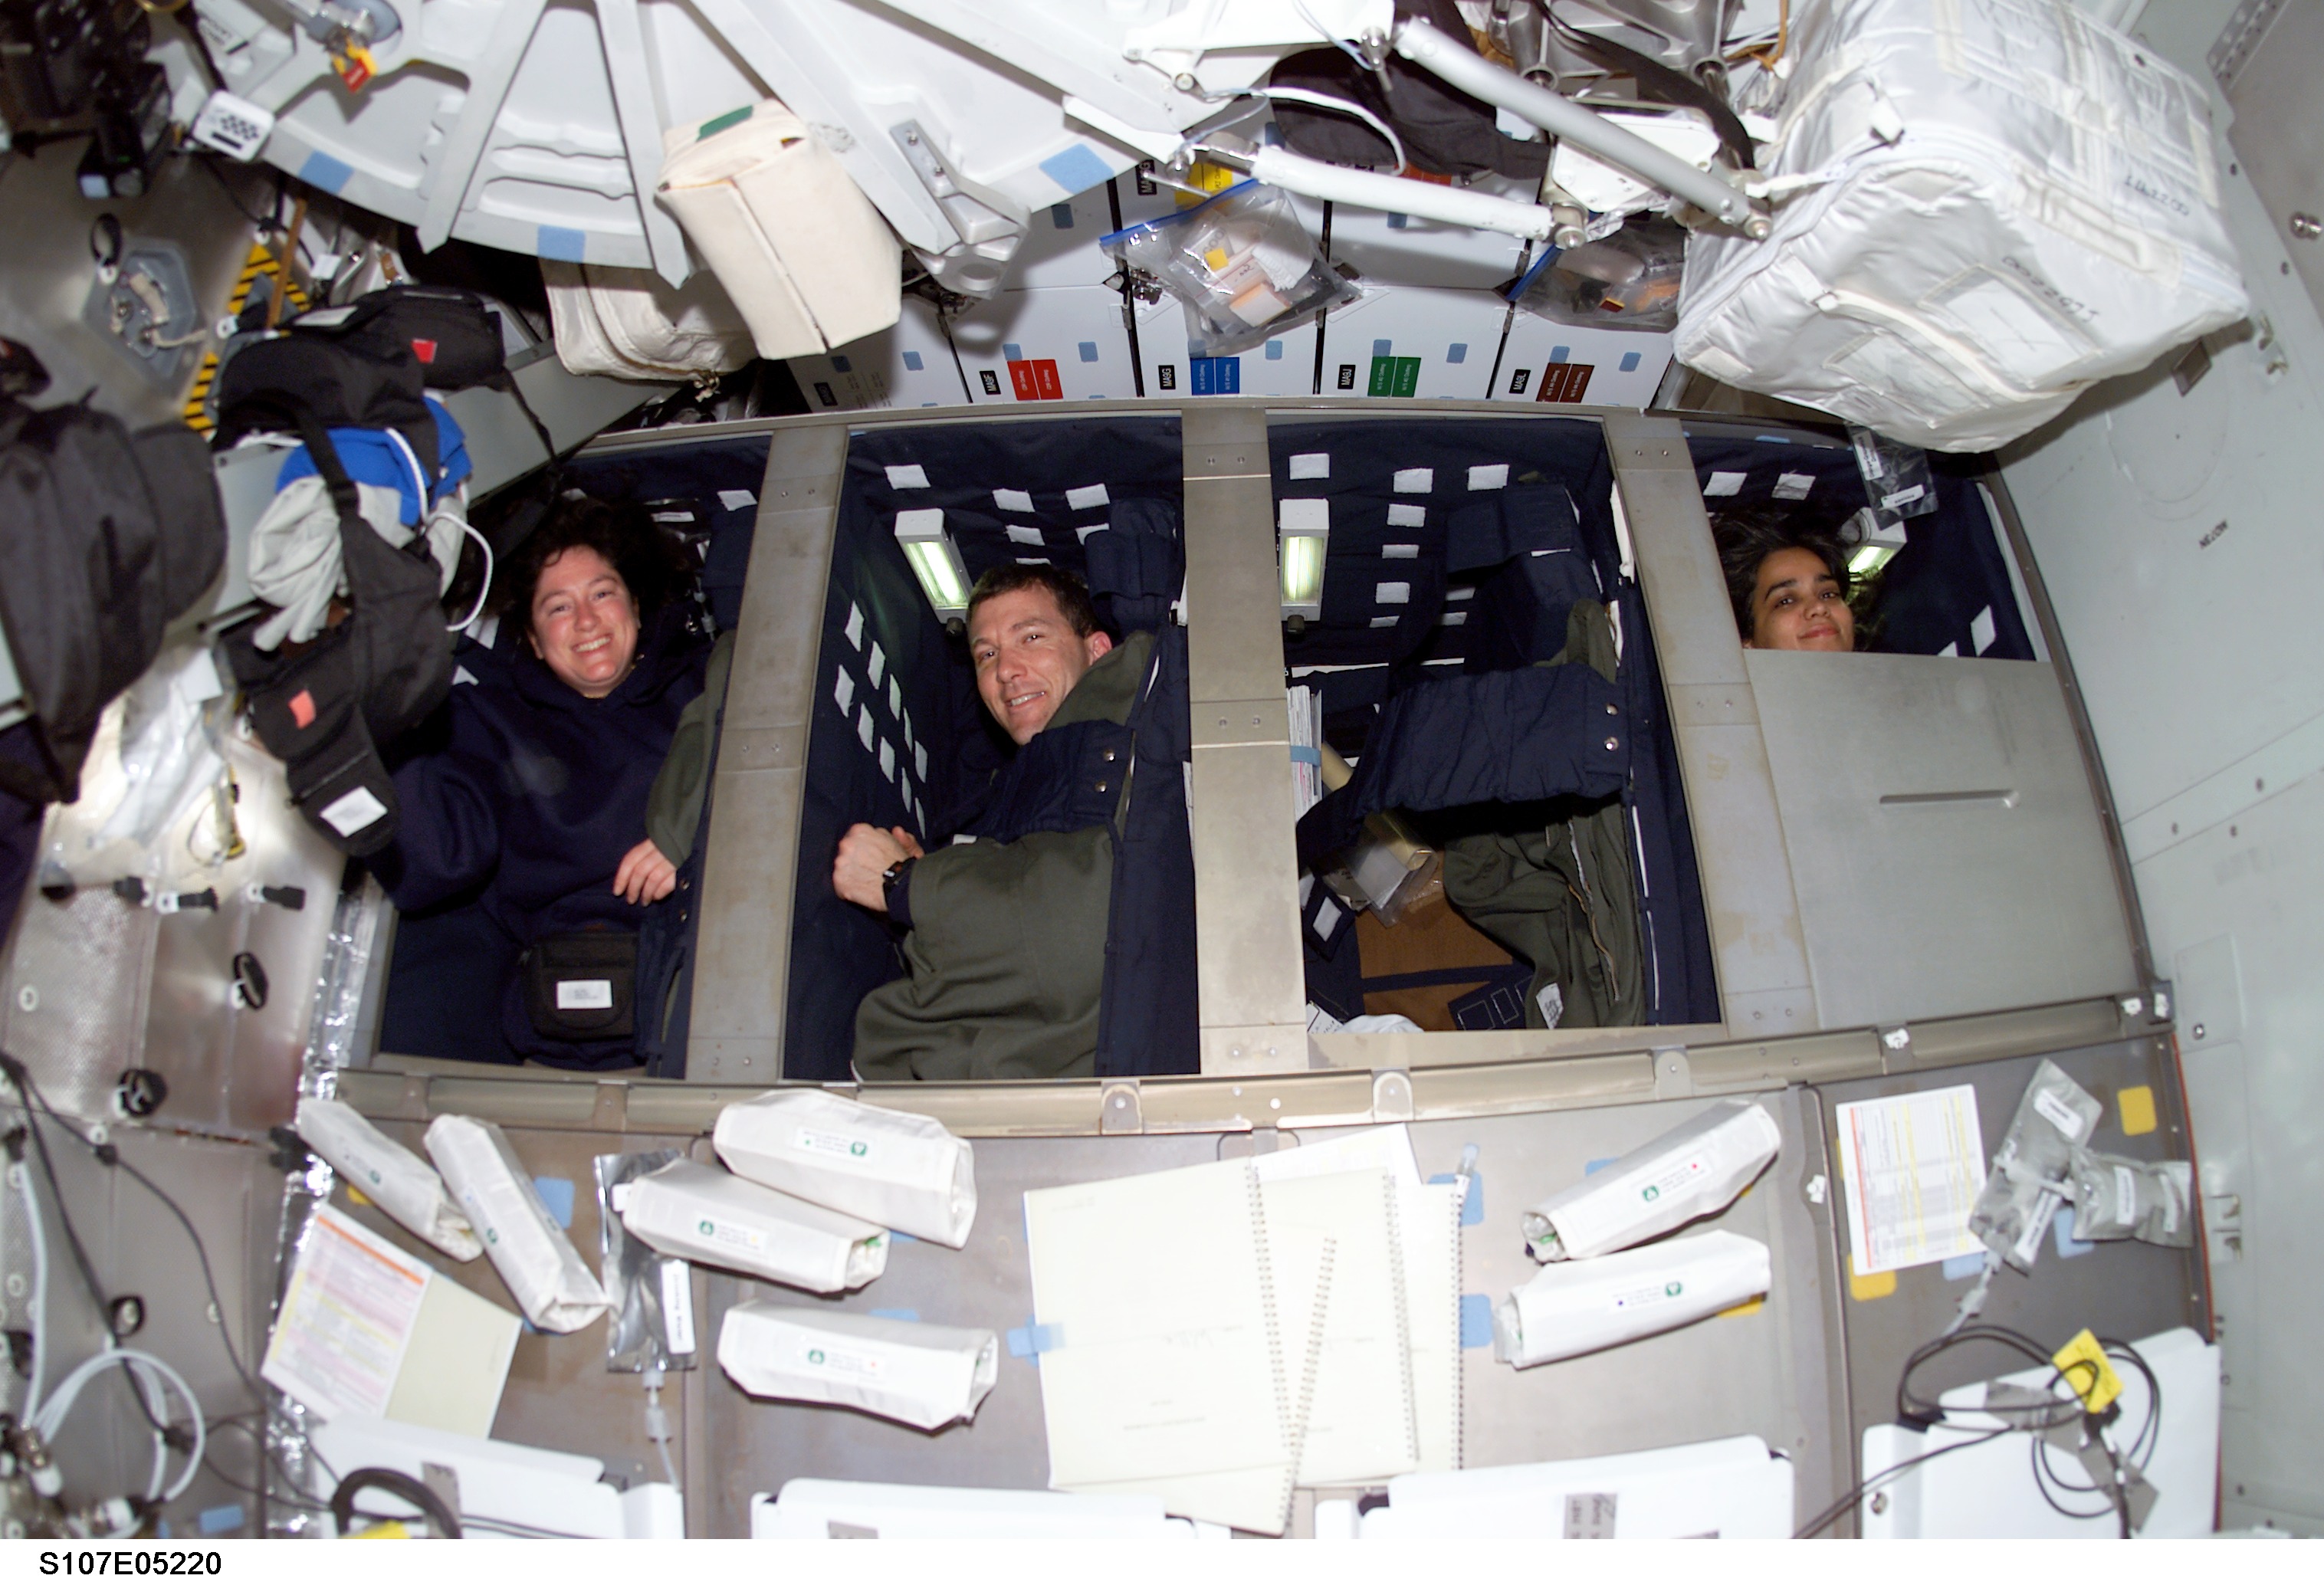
x=924, y=1374
x=706, y=1216
x=632, y=324
x=901, y=1171
x=405, y=1186
x=1586, y=1304
x=1983, y=206
x=535, y=1257
x=799, y=249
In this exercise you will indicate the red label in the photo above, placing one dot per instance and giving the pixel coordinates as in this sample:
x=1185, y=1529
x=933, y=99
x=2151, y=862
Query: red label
x=425, y=351
x=1565, y=381
x=1036, y=381
x=302, y=709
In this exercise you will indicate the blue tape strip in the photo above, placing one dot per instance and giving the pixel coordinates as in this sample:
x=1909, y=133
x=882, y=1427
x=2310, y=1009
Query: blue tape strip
x=1476, y=1320
x=1275, y=351
x=556, y=242
x=323, y=171
x=1560, y=354
x=1076, y=169
x=1629, y=362
x=905, y=1315
x=1382, y=348
x=2062, y=1229
x=1034, y=1340
x=557, y=1197
x=1061, y=215
x=1595, y=1165
x=1010, y=352
x=1458, y=351
x=1968, y=1266
x=896, y=1235
x=912, y=360
x=1315, y=755
x=220, y=1519
x=1473, y=1207
x=1088, y=349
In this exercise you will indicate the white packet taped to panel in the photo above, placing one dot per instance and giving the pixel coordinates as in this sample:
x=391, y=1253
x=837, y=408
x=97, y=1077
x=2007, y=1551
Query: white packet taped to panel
x=1695, y=1169
x=1586, y=1304
x=924, y=1374
x=901, y=1171
x=535, y=1257
x=405, y=1186
x=706, y=1216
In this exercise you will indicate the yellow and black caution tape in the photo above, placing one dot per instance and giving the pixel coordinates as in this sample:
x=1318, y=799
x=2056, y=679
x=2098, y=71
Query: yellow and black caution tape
x=260, y=261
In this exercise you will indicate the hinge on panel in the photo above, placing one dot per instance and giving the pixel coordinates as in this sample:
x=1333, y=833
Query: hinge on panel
x=1674, y=1073
x=1391, y=1097
x=1118, y=1110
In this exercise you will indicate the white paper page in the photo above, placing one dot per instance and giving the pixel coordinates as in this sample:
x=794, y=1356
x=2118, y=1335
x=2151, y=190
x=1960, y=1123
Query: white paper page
x=1432, y=1284
x=1165, y=1355
x=1387, y=1147
x=1258, y=1499
x=1914, y=1166
x=1358, y=1425
x=346, y=1319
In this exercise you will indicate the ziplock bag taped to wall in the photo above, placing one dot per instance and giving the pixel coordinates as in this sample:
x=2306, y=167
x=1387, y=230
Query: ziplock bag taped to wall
x=1242, y=264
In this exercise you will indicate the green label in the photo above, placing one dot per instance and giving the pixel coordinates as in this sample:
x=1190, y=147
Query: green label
x=814, y=1357
x=1651, y=1193
x=707, y=1229
x=1395, y=376
x=1672, y=1289
x=719, y=124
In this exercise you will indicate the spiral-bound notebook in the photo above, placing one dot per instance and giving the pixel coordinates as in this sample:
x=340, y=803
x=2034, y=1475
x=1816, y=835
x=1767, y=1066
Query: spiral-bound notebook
x=1214, y=1335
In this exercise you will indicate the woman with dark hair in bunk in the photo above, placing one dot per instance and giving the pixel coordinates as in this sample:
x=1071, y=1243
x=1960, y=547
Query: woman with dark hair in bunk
x=536, y=805
x=1788, y=579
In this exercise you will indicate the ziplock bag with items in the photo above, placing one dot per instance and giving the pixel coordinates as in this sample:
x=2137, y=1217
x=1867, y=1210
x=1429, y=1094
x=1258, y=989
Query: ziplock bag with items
x=1241, y=263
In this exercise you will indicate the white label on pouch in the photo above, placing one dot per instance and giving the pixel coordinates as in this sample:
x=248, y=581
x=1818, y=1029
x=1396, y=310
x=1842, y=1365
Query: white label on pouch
x=834, y=1145
x=678, y=1306
x=584, y=994
x=725, y=1235
x=1648, y=1295
x=822, y=1357
x=1902, y=497
x=357, y=810
x=1679, y=1177
x=2060, y=1113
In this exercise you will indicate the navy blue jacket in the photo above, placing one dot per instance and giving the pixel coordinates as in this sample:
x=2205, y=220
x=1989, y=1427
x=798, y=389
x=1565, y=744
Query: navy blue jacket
x=536, y=796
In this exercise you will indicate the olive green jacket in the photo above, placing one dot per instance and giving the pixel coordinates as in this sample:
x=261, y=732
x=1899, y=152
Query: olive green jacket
x=1562, y=896
x=1007, y=949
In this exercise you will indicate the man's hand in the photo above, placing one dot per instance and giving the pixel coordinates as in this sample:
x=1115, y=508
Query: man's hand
x=645, y=875
x=866, y=855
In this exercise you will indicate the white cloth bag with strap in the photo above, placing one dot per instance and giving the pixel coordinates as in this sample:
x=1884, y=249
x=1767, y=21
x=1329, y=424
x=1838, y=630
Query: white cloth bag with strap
x=631, y=323
x=1983, y=206
x=806, y=258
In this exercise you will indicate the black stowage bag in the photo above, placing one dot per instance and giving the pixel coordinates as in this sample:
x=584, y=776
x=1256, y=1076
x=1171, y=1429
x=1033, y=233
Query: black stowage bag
x=581, y=986
x=326, y=709
x=451, y=335
x=105, y=537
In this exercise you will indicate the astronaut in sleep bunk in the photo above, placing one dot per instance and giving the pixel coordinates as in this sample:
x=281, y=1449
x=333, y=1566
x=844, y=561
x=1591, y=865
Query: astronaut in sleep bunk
x=1788, y=578
x=1013, y=972
x=538, y=800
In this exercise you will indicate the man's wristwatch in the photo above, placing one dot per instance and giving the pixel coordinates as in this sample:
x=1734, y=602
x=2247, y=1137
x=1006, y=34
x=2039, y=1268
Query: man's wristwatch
x=890, y=882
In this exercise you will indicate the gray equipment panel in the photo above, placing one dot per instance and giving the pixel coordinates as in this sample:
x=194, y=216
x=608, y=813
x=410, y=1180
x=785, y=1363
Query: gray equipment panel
x=1892, y=772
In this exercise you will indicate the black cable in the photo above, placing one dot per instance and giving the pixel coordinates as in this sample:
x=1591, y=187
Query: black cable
x=108, y=1155
x=16, y=1074
x=402, y=1486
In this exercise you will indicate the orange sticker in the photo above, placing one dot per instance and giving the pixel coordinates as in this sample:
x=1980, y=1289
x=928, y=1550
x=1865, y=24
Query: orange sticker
x=302, y=709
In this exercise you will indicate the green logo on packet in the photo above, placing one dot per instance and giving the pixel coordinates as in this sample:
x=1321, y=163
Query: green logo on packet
x=859, y=1149
x=1674, y=1288
x=1651, y=1193
x=816, y=1357
x=707, y=1228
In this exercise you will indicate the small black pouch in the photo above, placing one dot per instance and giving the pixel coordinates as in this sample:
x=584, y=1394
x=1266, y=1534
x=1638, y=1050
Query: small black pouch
x=581, y=985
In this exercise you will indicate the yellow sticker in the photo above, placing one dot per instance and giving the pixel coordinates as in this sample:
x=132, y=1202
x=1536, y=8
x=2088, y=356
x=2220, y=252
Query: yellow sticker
x=355, y=1196
x=1743, y=1309
x=1216, y=258
x=2083, y=1361
x=2137, y=1106
x=1870, y=1287
x=383, y=1530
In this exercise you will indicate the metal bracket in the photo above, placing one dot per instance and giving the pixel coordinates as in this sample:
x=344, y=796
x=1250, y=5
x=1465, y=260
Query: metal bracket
x=1118, y=1110
x=443, y=1483
x=1896, y=1046
x=1391, y=1097
x=1674, y=1073
x=990, y=225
